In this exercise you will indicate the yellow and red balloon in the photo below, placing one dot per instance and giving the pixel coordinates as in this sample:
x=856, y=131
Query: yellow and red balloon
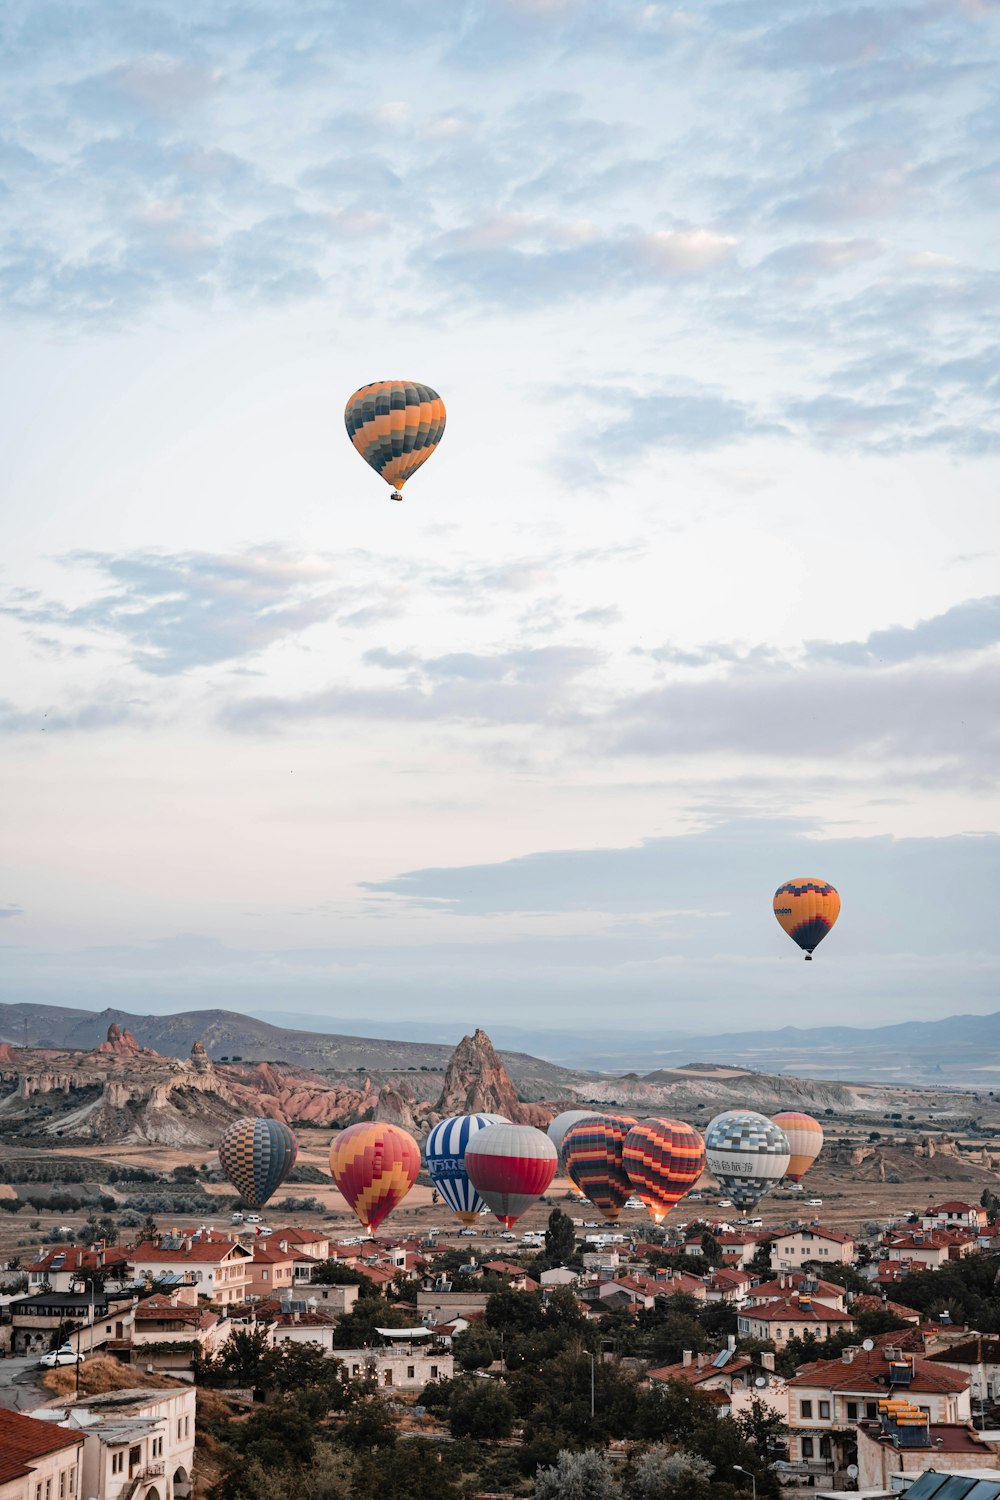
x=374, y=1165
x=806, y=908
x=663, y=1160
x=805, y=1138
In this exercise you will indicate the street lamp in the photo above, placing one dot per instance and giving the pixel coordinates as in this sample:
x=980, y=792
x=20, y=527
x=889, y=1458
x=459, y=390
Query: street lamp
x=752, y=1477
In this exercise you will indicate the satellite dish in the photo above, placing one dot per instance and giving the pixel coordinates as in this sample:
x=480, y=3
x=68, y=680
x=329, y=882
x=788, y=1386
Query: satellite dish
x=852, y=1471
x=760, y=1382
x=868, y=1344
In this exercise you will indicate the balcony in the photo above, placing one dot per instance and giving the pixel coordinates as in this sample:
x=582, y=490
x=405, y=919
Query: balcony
x=151, y=1471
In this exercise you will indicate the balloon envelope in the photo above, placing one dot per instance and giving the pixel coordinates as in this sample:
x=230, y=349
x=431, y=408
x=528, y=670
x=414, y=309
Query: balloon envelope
x=746, y=1153
x=444, y=1153
x=806, y=909
x=511, y=1166
x=257, y=1156
x=805, y=1141
x=592, y=1149
x=395, y=425
x=663, y=1160
x=374, y=1165
x=557, y=1132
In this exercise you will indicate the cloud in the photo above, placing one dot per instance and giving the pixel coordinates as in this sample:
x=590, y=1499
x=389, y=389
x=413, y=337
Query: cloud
x=179, y=611
x=10, y=911
x=156, y=84
x=973, y=625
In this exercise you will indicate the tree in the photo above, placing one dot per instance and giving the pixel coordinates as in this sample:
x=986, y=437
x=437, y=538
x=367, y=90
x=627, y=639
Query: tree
x=480, y=1409
x=475, y=1347
x=665, y=1473
x=578, y=1476
x=150, y=1229
x=328, y=1476
x=356, y=1330
x=335, y=1273
x=412, y=1471
x=560, y=1238
x=368, y=1425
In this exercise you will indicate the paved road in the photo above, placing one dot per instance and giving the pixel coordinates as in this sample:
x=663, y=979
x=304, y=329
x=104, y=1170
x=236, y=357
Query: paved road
x=18, y=1391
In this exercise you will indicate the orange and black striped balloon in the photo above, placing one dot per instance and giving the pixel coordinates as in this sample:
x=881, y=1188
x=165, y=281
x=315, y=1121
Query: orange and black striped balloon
x=395, y=425
x=592, y=1151
x=663, y=1159
x=806, y=908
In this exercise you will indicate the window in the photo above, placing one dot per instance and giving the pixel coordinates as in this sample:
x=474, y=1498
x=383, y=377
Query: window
x=806, y=1409
x=187, y=1426
x=871, y=1410
x=118, y=1462
x=263, y=1275
x=824, y=1409
x=62, y=1485
x=410, y=1372
x=852, y=1411
x=48, y=1489
x=824, y=1447
x=179, y=1426
x=434, y=1372
x=807, y=1447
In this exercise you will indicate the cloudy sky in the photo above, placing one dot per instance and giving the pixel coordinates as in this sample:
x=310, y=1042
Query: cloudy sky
x=700, y=591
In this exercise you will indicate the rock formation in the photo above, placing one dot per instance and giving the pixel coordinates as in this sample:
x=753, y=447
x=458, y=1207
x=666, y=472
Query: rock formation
x=121, y=1043
x=476, y=1082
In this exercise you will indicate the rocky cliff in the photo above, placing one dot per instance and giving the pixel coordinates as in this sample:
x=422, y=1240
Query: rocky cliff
x=476, y=1082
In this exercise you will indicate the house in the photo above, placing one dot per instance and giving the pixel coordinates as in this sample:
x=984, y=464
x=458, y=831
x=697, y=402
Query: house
x=669, y=1281
x=956, y=1215
x=37, y=1459
x=309, y=1242
x=399, y=1366
x=296, y=1322
x=741, y=1379
x=166, y=1334
x=443, y=1305
x=47, y=1318
x=828, y=1399
x=219, y=1268
x=516, y=1276
x=793, y=1248
x=905, y=1441
x=728, y=1286
x=738, y=1246
x=271, y=1271
x=929, y=1249
x=559, y=1276
x=866, y=1302
x=136, y=1443
x=977, y=1358
x=792, y=1283
x=790, y=1317
x=61, y=1270
x=338, y=1300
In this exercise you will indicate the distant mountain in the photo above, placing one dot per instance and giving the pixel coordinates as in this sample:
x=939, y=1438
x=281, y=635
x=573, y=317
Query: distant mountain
x=959, y=1049
x=226, y=1033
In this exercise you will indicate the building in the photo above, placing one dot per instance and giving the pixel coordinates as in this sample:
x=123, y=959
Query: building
x=929, y=1249
x=40, y=1322
x=793, y=1317
x=791, y=1250
x=903, y=1441
x=956, y=1215
x=218, y=1268
x=864, y=1302
x=137, y=1443
x=62, y=1270
x=827, y=1400
x=333, y=1299
x=37, y=1460
x=740, y=1379
x=272, y=1270
x=978, y=1359
x=726, y=1284
x=399, y=1366
x=166, y=1334
x=792, y=1283
x=442, y=1306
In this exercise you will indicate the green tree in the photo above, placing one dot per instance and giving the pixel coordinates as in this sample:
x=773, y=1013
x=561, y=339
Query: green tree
x=578, y=1476
x=329, y=1475
x=413, y=1470
x=475, y=1347
x=357, y=1329
x=560, y=1238
x=480, y=1409
x=334, y=1272
x=666, y=1473
x=368, y=1425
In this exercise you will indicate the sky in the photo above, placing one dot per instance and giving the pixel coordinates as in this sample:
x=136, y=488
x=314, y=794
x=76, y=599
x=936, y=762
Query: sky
x=699, y=592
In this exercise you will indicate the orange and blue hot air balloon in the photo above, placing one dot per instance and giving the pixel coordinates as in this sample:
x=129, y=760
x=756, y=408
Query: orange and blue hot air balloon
x=374, y=1165
x=663, y=1160
x=395, y=425
x=592, y=1151
x=806, y=909
x=257, y=1156
x=805, y=1138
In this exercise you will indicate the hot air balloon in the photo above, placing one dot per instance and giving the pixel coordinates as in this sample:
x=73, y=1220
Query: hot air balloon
x=805, y=1141
x=747, y=1154
x=557, y=1131
x=511, y=1166
x=806, y=909
x=257, y=1156
x=395, y=425
x=374, y=1165
x=444, y=1153
x=592, y=1149
x=663, y=1160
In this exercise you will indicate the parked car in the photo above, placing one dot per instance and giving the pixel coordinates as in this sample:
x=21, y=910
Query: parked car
x=508, y=1234
x=236, y=1219
x=253, y=1218
x=64, y=1355
x=815, y=1202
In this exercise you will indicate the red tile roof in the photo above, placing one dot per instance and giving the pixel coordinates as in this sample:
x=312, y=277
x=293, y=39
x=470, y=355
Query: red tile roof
x=199, y=1250
x=24, y=1439
x=72, y=1259
x=869, y=1371
x=696, y=1375
x=868, y=1303
x=818, y=1233
x=793, y=1283
x=789, y=1310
